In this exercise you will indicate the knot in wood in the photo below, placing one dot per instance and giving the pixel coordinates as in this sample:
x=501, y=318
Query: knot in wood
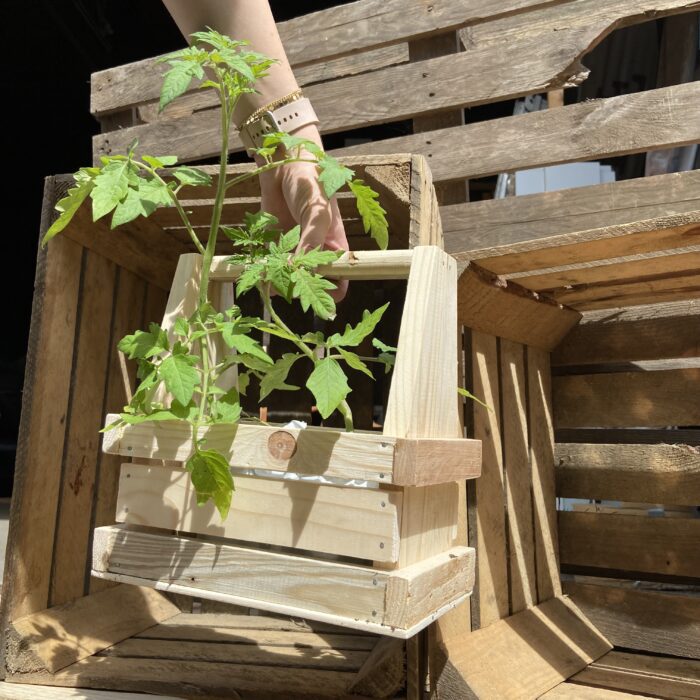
x=282, y=445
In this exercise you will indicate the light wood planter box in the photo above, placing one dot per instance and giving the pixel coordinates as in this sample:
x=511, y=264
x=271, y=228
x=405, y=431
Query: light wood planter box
x=370, y=542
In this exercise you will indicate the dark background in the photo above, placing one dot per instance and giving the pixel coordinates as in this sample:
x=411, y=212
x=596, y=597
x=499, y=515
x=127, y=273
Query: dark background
x=51, y=47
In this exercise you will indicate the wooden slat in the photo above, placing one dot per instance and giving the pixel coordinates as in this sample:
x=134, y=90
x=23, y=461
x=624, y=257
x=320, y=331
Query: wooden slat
x=364, y=455
x=631, y=543
x=635, y=473
x=594, y=129
x=651, y=621
x=652, y=675
x=341, y=30
x=527, y=654
x=42, y=426
x=522, y=579
x=543, y=480
x=397, y=603
x=497, y=222
x=73, y=531
x=19, y=691
x=654, y=332
x=361, y=523
x=577, y=691
x=631, y=436
x=627, y=399
x=489, y=304
x=491, y=536
x=57, y=637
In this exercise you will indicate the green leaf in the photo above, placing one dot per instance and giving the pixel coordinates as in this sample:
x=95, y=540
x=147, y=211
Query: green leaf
x=243, y=382
x=181, y=327
x=228, y=407
x=143, y=344
x=211, y=478
x=355, y=362
x=244, y=344
x=310, y=289
x=180, y=377
x=315, y=257
x=469, y=395
x=68, y=205
x=290, y=240
x=177, y=80
x=373, y=216
x=133, y=419
x=333, y=175
x=116, y=424
x=279, y=273
x=352, y=337
x=249, y=278
x=111, y=186
x=272, y=329
x=154, y=193
x=383, y=346
x=276, y=376
x=188, y=175
x=160, y=162
x=329, y=385
x=128, y=209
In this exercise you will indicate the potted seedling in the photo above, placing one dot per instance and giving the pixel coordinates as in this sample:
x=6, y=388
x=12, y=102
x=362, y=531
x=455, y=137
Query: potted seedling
x=132, y=185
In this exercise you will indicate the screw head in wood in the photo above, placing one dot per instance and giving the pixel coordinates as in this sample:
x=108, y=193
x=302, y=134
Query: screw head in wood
x=282, y=445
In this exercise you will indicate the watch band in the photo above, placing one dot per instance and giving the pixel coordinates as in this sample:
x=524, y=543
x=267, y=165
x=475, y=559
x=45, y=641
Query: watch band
x=286, y=118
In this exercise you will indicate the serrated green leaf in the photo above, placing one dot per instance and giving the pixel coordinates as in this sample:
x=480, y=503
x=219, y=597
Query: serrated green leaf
x=373, y=215
x=290, y=240
x=143, y=344
x=272, y=329
x=180, y=377
x=355, y=362
x=469, y=395
x=135, y=419
x=68, y=205
x=211, y=478
x=153, y=194
x=352, y=337
x=329, y=385
x=161, y=161
x=188, y=175
x=276, y=376
x=310, y=289
x=333, y=175
x=177, y=80
x=249, y=278
x=128, y=209
x=111, y=186
x=279, y=273
x=243, y=343
x=315, y=257
x=181, y=326
x=243, y=382
x=383, y=346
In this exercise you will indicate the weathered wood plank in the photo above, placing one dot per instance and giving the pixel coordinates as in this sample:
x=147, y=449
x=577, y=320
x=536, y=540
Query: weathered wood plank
x=361, y=523
x=42, y=426
x=651, y=621
x=491, y=536
x=527, y=654
x=659, y=331
x=627, y=399
x=599, y=128
x=577, y=691
x=20, y=691
x=73, y=529
x=635, y=473
x=522, y=579
x=543, y=480
x=497, y=222
x=57, y=637
x=652, y=675
x=387, y=602
x=631, y=543
x=489, y=304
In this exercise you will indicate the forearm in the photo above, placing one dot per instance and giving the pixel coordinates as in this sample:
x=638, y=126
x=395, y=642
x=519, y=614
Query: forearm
x=251, y=20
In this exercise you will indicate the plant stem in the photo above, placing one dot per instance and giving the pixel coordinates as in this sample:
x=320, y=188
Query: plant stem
x=265, y=168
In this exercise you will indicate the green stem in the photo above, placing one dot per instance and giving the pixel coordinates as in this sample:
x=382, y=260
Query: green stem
x=265, y=168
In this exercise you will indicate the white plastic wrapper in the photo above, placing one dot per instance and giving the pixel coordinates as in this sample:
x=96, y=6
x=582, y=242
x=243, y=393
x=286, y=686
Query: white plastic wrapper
x=314, y=479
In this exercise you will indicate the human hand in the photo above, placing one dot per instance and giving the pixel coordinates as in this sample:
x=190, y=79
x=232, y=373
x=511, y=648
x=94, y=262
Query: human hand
x=294, y=195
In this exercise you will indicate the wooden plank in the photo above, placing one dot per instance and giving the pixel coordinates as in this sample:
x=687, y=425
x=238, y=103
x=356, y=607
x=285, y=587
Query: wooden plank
x=489, y=304
x=631, y=436
x=651, y=621
x=445, y=82
x=522, y=578
x=583, y=131
x=18, y=691
x=42, y=425
x=652, y=675
x=622, y=399
x=491, y=536
x=425, y=227
x=576, y=691
x=354, y=522
x=57, y=637
x=655, y=266
x=635, y=473
x=341, y=30
x=422, y=398
x=543, y=480
x=659, y=331
x=631, y=543
x=84, y=420
x=527, y=654
x=139, y=246
x=363, y=455
x=497, y=222
x=637, y=237
x=343, y=594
